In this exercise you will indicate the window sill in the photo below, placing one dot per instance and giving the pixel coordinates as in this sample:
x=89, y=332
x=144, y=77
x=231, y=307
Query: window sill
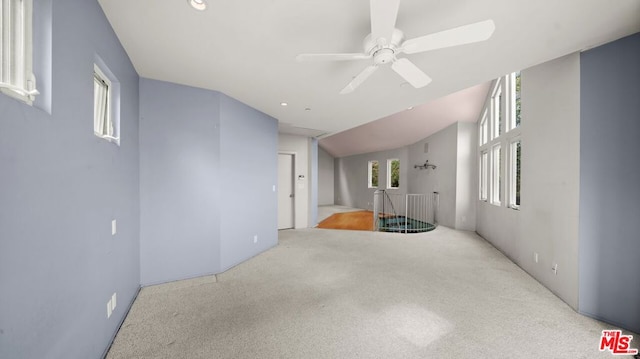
x=18, y=95
x=115, y=140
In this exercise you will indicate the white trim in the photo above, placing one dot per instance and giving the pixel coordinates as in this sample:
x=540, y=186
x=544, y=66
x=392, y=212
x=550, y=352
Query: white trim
x=389, y=162
x=16, y=52
x=513, y=172
x=370, y=174
x=489, y=122
x=496, y=171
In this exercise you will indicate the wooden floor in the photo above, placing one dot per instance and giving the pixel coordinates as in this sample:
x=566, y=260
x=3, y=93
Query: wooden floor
x=359, y=221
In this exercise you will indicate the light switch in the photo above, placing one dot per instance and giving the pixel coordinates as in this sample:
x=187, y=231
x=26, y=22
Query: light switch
x=113, y=227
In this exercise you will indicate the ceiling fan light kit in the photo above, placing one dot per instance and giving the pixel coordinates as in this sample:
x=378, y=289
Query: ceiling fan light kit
x=385, y=42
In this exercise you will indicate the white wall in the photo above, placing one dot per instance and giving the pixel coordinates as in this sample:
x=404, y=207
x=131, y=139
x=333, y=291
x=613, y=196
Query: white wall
x=325, y=178
x=300, y=146
x=466, y=176
x=452, y=150
x=351, y=186
x=547, y=221
x=442, y=153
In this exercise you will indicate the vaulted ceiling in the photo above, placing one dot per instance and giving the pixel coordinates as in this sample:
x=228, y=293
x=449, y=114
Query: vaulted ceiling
x=247, y=49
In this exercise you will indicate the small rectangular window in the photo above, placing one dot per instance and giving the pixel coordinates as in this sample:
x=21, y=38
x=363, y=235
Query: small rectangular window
x=515, y=176
x=393, y=173
x=106, y=103
x=496, y=175
x=102, y=120
x=16, y=74
x=484, y=163
x=373, y=174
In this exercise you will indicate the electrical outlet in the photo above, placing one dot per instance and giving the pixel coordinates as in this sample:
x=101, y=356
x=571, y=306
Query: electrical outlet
x=113, y=227
x=555, y=269
x=255, y=239
x=535, y=257
x=113, y=301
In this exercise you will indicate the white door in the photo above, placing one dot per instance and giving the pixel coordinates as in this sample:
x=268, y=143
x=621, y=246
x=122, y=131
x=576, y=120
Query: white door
x=285, y=191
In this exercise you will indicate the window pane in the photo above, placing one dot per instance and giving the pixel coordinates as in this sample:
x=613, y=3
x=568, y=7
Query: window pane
x=518, y=176
x=373, y=174
x=496, y=186
x=484, y=159
x=496, y=113
x=514, y=185
x=484, y=129
x=393, y=173
x=101, y=121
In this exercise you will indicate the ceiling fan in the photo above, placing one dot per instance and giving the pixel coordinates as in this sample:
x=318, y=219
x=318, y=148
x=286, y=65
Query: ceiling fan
x=385, y=42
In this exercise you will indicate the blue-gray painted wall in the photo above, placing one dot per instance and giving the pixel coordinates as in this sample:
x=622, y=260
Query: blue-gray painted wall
x=60, y=187
x=208, y=164
x=248, y=173
x=179, y=182
x=609, y=256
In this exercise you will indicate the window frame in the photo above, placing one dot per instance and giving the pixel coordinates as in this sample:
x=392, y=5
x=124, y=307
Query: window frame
x=484, y=176
x=513, y=172
x=496, y=174
x=102, y=72
x=497, y=110
x=370, y=174
x=484, y=128
x=497, y=182
x=16, y=51
x=389, y=164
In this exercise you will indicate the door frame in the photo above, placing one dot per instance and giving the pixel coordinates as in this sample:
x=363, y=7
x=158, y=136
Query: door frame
x=293, y=183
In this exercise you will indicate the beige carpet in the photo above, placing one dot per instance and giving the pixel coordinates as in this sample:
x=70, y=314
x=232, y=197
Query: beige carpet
x=355, y=294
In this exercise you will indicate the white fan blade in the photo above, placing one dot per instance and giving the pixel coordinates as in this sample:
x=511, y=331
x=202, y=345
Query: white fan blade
x=359, y=79
x=465, y=34
x=411, y=73
x=383, y=19
x=332, y=57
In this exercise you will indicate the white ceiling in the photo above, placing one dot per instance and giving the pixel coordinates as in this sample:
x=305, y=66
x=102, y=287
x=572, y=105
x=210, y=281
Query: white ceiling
x=246, y=49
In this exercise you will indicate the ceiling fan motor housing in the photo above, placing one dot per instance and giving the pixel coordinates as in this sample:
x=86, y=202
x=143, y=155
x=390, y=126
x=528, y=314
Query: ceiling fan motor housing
x=382, y=50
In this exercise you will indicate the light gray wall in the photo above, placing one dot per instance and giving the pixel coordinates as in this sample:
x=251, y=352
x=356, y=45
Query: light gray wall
x=249, y=172
x=442, y=152
x=609, y=178
x=550, y=186
x=547, y=222
x=351, y=186
x=466, y=176
x=60, y=187
x=325, y=178
x=180, y=182
x=300, y=146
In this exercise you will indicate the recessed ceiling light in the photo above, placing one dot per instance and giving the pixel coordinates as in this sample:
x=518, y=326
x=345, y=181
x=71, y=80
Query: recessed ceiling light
x=410, y=108
x=198, y=4
x=307, y=109
x=284, y=104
